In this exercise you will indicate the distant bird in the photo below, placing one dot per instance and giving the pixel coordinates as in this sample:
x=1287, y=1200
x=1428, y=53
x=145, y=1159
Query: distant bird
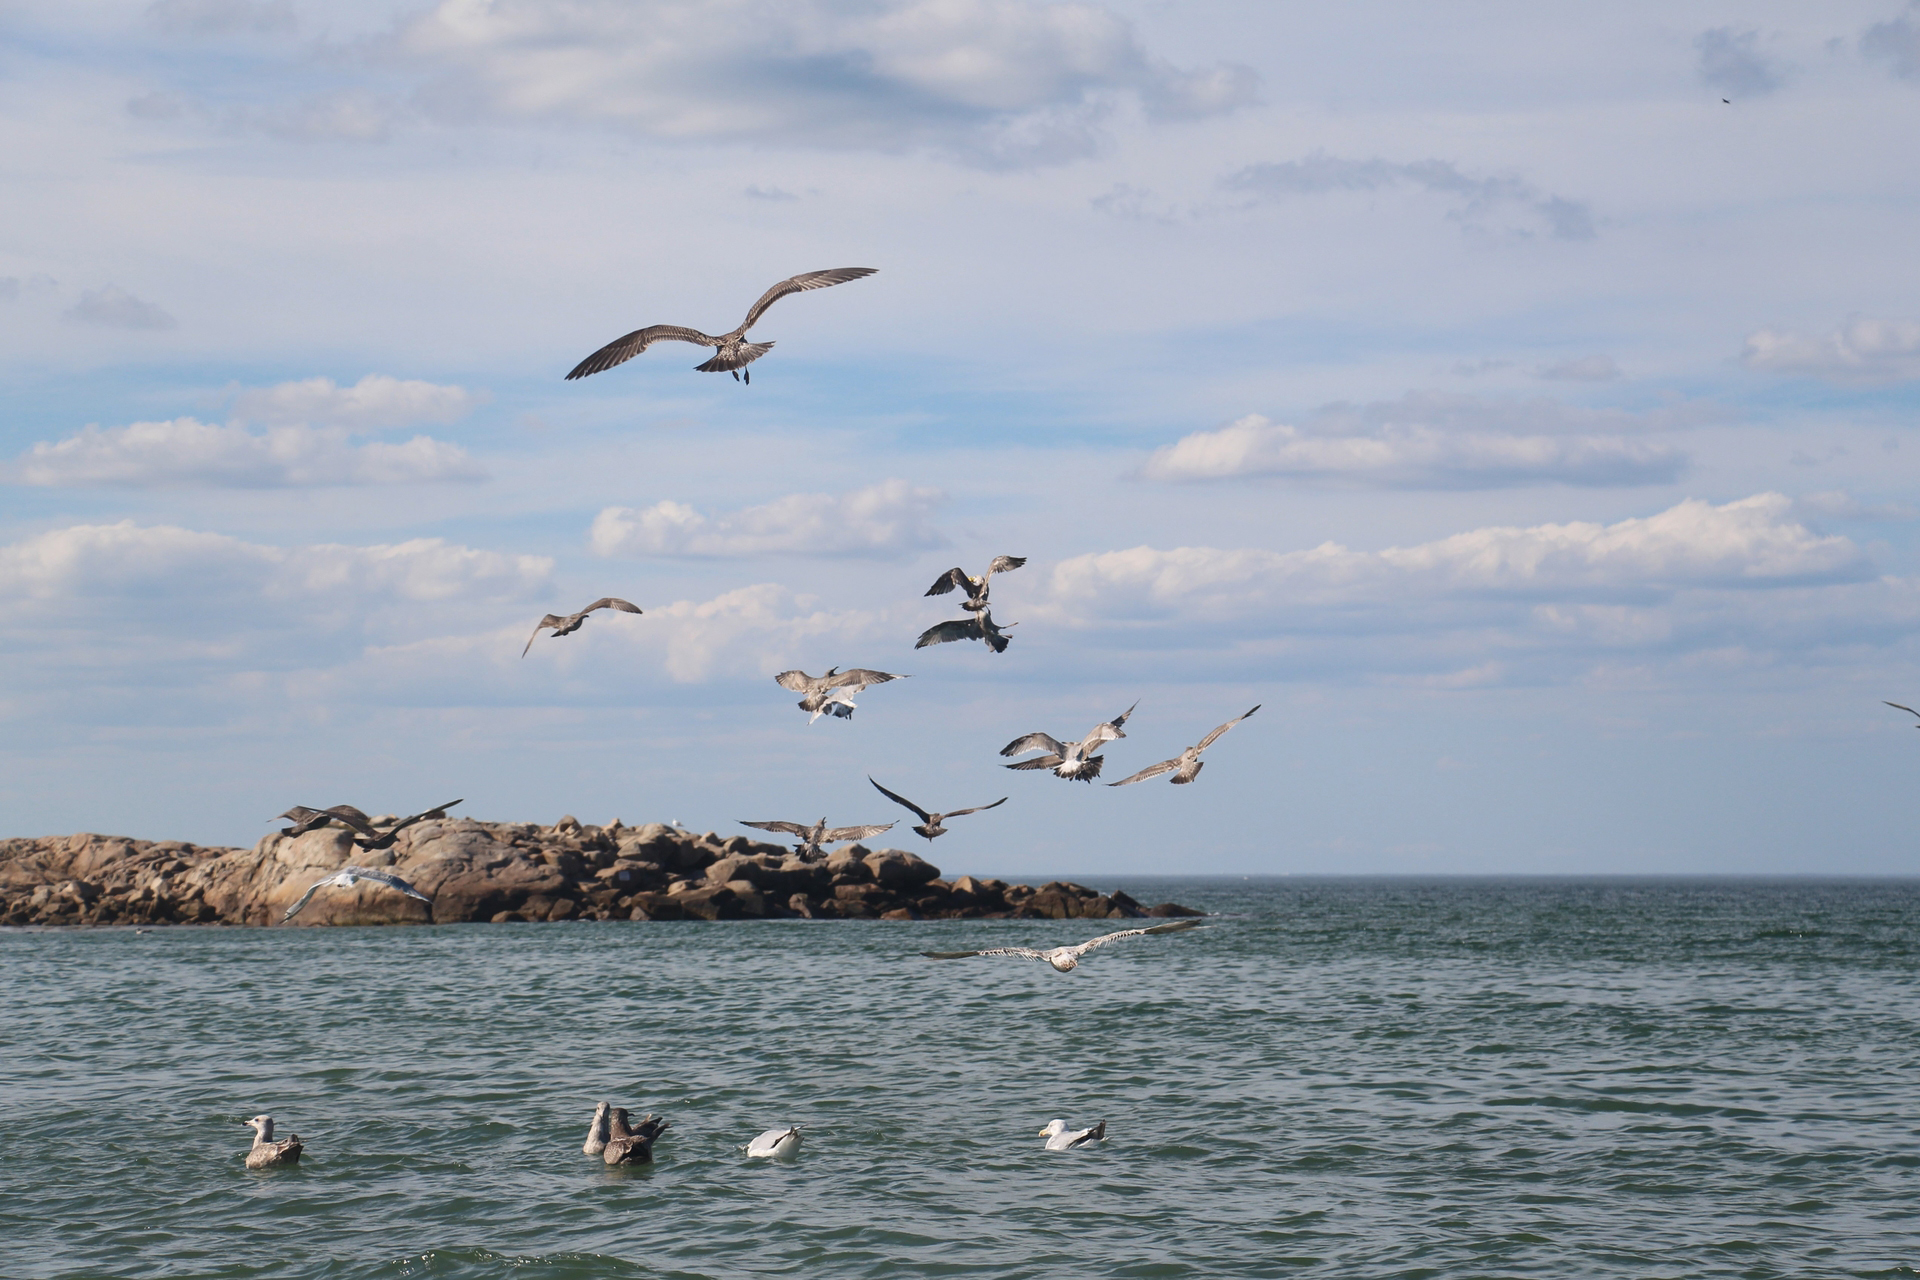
x=597, y=1132
x=347, y=877
x=628, y=1143
x=305, y=820
x=386, y=838
x=978, y=627
x=775, y=1144
x=1728, y=101
x=1070, y=760
x=267, y=1153
x=976, y=588
x=1064, y=959
x=811, y=838
x=1188, y=762
x=832, y=693
x=734, y=352
x=1909, y=710
x=1061, y=1138
x=932, y=823
x=571, y=623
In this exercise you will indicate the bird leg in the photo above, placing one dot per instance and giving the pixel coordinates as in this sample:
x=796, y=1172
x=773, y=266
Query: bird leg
x=749, y=377
x=735, y=373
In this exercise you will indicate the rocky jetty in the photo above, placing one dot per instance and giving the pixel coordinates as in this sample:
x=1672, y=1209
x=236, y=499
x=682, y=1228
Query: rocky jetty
x=507, y=871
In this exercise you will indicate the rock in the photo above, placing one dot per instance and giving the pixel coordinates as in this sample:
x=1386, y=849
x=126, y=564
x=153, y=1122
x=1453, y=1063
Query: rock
x=898, y=913
x=801, y=905
x=1173, y=909
x=845, y=866
x=900, y=869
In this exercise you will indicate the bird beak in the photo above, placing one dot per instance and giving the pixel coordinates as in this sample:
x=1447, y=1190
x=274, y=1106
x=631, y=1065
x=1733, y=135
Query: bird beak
x=1043, y=1132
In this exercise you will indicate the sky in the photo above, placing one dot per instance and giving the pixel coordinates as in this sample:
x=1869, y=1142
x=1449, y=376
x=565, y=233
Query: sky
x=1517, y=403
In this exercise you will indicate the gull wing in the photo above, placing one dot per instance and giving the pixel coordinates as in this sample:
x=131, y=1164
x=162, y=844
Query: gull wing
x=1025, y=953
x=800, y=284
x=551, y=620
x=790, y=828
x=1047, y=761
x=959, y=629
x=388, y=879
x=902, y=800
x=391, y=833
x=837, y=834
x=1214, y=737
x=304, y=820
x=1035, y=742
x=348, y=816
x=307, y=897
x=1005, y=564
x=1909, y=710
x=609, y=602
x=1151, y=771
x=859, y=678
x=621, y=350
x=1106, y=731
x=955, y=577
x=799, y=681
x=1174, y=926
x=961, y=813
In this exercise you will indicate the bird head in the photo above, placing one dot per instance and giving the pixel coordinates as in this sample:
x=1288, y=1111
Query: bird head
x=1053, y=1127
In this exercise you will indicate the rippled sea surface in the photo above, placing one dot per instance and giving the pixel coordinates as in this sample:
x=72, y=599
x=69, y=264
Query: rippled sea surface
x=1336, y=1078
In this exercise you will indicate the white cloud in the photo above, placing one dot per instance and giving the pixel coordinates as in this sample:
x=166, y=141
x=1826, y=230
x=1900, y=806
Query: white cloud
x=1730, y=61
x=1862, y=349
x=184, y=452
x=1480, y=198
x=887, y=519
x=1838, y=504
x=373, y=402
x=114, y=308
x=1585, y=369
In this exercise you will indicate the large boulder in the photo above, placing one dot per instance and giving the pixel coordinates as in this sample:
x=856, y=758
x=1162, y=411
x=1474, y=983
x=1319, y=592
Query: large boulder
x=900, y=869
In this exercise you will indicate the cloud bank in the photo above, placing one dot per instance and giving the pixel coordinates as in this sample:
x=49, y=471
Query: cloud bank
x=373, y=402
x=183, y=452
x=1862, y=349
x=112, y=307
x=1479, y=198
x=888, y=519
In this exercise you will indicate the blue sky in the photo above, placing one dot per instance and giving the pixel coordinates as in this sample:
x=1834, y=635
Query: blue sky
x=1526, y=429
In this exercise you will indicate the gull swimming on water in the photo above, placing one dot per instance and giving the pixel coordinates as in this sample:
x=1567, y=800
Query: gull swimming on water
x=775, y=1143
x=734, y=351
x=571, y=623
x=1065, y=959
x=267, y=1153
x=628, y=1143
x=976, y=588
x=832, y=693
x=1188, y=762
x=347, y=877
x=1072, y=760
x=932, y=823
x=811, y=838
x=597, y=1131
x=978, y=627
x=1061, y=1138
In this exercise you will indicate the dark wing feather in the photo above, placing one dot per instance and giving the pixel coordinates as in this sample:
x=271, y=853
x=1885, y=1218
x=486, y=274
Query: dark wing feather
x=899, y=799
x=960, y=629
x=1214, y=737
x=609, y=602
x=862, y=677
x=621, y=350
x=551, y=620
x=796, y=680
x=961, y=813
x=1151, y=771
x=1909, y=710
x=1038, y=762
x=800, y=284
x=790, y=828
x=837, y=834
x=1034, y=742
x=1005, y=564
x=947, y=581
x=348, y=816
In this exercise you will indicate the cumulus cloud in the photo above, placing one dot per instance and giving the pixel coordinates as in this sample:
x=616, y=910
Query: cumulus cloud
x=373, y=402
x=1434, y=441
x=996, y=81
x=888, y=519
x=1838, y=504
x=1479, y=199
x=1895, y=42
x=1730, y=61
x=1862, y=349
x=114, y=308
x=184, y=452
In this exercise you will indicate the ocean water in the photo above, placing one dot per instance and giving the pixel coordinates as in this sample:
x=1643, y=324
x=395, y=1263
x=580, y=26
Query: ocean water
x=1378, y=1078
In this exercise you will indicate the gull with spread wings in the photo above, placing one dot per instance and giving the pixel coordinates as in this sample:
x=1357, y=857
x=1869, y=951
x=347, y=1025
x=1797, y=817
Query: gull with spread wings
x=365, y=833
x=976, y=588
x=1188, y=762
x=571, y=623
x=832, y=693
x=1909, y=710
x=978, y=627
x=733, y=352
x=348, y=877
x=1071, y=760
x=932, y=824
x=1065, y=959
x=811, y=838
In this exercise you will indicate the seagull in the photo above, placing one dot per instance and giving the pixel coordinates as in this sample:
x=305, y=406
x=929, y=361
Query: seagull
x=1188, y=762
x=1909, y=710
x=1068, y=759
x=734, y=353
x=386, y=838
x=978, y=627
x=933, y=822
x=305, y=820
x=976, y=588
x=1061, y=1138
x=811, y=838
x=776, y=1143
x=832, y=693
x=1064, y=959
x=348, y=877
x=571, y=623
x=267, y=1153
x=597, y=1132
x=631, y=1145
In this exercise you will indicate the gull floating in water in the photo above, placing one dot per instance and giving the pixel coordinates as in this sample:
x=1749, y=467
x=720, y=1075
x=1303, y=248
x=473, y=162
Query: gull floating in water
x=597, y=1132
x=976, y=588
x=1188, y=762
x=1064, y=959
x=628, y=1143
x=1061, y=1138
x=267, y=1153
x=775, y=1143
x=348, y=877
x=832, y=693
x=734, y=352
x=571, y=623
x=932, y=823
x=979, y=627
x=1073, y=760
x=811, y=838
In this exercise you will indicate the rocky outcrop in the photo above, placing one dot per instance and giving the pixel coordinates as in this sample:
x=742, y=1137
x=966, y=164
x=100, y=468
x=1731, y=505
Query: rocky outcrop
x=505, y=871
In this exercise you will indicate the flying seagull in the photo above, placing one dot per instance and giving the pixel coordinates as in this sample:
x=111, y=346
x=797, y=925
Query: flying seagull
x=1068, y=759
x=1061, y=1138
x=832, y=693
x=933, y=822
x=1065, y=959
x=628, y=1143
x=571, y=623
x=348, y=877
x=734, y=352
x=811, y=838
x=1188, y=762
x=305, y=820
x=386, y=838
x=267, y=1153
x=976, y=588
x=978, y=627
x=1909, y=710
x=775, y=1144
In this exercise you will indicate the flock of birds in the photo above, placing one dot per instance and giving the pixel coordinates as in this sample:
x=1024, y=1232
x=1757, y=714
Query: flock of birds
x=612, y=1134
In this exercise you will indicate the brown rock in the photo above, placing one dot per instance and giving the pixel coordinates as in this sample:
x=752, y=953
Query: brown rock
x=900, y=869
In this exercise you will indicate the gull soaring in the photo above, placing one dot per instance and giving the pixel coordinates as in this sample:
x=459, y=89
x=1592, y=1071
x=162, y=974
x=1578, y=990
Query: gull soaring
x=1072, y=760
x=811, y=838
x=571, y=623
x=932, y=823
x=1188, y=762
x=348, y=877
x=1065, y=959
x=832, y=693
